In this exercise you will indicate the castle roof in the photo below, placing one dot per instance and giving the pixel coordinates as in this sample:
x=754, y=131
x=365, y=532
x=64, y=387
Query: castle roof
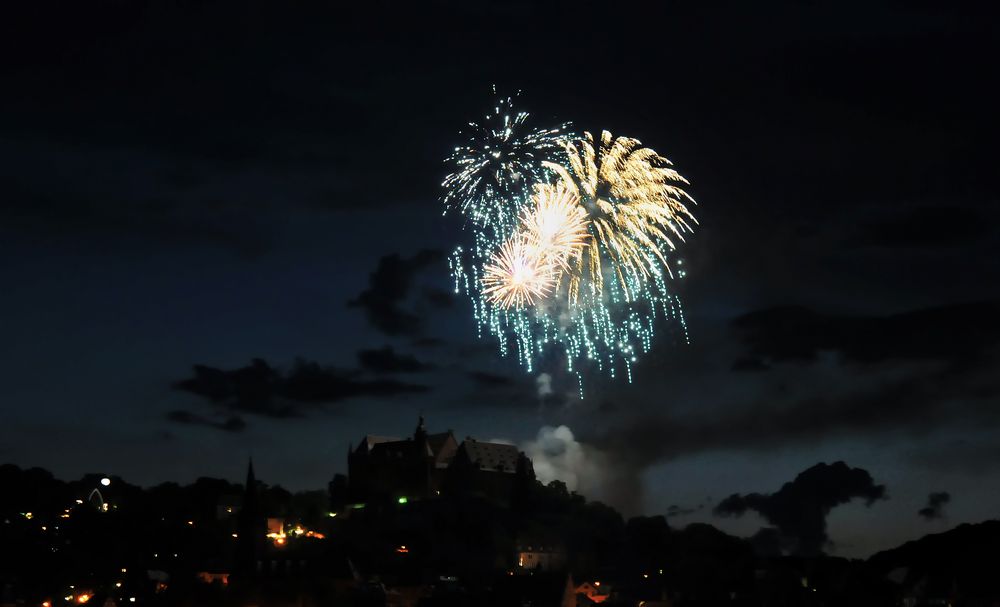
x=438, y=440
x=397, y=449
x=491, y=456
x=443, y=447
x=371, y=440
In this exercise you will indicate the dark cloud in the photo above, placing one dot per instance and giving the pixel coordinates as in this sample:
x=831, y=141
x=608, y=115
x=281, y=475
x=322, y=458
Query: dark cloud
x=799, y=509
x=232, y=423
x=512, y=391
x=493, y=390
x=677, y=510
x=935, y=505
x=607, y=407
x=896, y=395
x=439, y=297
x=428, y=342
x=388, y=288
x=953, y=333
x=39, y=203
x=915, y=403
x=927, y=227
x=749, y=364
x=979, y=455
x=263, y=390
x=386, y=360
x=517, y=390
x=490, y=379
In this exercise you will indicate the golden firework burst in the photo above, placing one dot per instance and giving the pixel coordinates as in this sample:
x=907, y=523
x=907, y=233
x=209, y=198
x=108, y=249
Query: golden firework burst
x=551, y=233
x=517, y=274
x=557, y=225
x=635, y=207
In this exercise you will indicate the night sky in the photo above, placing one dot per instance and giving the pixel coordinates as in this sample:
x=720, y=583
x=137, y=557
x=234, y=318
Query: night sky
x=222, y=235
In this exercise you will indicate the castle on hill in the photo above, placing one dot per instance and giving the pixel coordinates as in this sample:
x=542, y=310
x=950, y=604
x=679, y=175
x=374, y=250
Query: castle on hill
x=428, y=465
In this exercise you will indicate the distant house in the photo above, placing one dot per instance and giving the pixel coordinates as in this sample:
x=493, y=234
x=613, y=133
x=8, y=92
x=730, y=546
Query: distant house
x=539, y=555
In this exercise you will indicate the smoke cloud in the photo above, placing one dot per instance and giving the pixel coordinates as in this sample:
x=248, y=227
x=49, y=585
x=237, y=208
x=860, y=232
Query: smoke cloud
x=558, y=455
x=544, y=385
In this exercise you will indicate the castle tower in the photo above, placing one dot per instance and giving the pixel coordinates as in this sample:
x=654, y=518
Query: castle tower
x=423, y=459
x=420, y=434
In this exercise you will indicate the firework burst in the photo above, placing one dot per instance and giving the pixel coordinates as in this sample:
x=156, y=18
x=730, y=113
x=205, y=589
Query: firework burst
x=496, y=167
x=572, y=240
x=557, y=225
x=518, y=274
x=635, y=206
x=530, y=263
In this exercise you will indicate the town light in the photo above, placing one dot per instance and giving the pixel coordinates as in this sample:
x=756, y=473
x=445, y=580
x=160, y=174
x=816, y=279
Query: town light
x=105, y=481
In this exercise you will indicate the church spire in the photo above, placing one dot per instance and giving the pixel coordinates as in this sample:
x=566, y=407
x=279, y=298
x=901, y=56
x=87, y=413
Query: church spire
x=251, y=479
x=251, y=526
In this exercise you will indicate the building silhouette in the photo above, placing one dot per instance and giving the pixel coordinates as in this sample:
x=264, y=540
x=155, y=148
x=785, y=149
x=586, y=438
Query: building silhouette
x=428, y=465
